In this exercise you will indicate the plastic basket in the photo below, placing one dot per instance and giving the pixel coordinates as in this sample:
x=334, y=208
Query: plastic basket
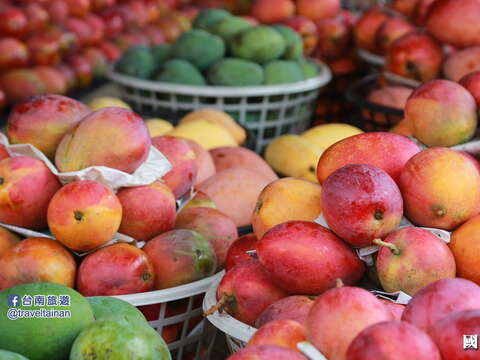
x=374, y=61
x=367, y=115
x=177, y=315
x=265, y=111
x=236, y=332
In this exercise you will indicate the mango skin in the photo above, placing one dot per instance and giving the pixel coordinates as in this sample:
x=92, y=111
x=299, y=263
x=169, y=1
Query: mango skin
x=119, y=337
x=112, y=137
x=27, y=187
x=423, y=259
x=43, y=121
x=465, y=247
x=435, y=198
x=260, y=44
x=347, y=311
x=405, y=341
x=84, y=215
x=184, y=170
x=307, y=259
x=148, y=210
x=361, y=203
x=442, y=113
x=37, y=260
x=217, y=227
x=180, y=257
x=387, y=151
x=57, y=335
x=285, y=200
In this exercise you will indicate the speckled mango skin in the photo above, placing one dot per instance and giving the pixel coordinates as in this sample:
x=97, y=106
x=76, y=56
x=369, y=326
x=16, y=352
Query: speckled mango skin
x=440, y=188
x=113, y=137
x=119, y=337
x=423, y=259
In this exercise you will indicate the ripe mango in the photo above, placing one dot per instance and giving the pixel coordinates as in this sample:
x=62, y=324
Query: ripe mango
x=113, y=137
x=293, y=155
x=323, y=136
x=208, y=135
x=220, y=118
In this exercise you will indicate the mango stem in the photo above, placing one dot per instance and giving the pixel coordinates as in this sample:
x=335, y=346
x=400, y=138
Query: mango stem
x=339, y=283
x=393, y=248
x=217, y=307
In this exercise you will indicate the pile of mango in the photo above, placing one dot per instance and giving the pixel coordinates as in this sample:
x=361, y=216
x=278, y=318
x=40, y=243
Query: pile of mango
x=298, y=155
x=223, y=50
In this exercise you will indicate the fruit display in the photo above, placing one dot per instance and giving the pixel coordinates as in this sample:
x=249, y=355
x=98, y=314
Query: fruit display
x=223, y=50
x=302, y=277
x=421, y=40
x=60, y=46
x=104, y=237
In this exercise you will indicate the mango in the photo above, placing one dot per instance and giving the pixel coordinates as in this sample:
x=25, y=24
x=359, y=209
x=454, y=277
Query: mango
x=217, y=117
x=230, y=157
x=43, y=120
x=292, y=155
x=306, y=258
x=112, y=137
x=57, y=335
x=120, y=337
x=235, y=72
x=433, y=196
x=285, y=200
x=260, y=44
x=199, y=47
x=208, y=17
x=387, y=151
x=35, y=260
x=235, y=192
x=204, y=161
x=442, y=113
x=229, y=27
x=178, y=71
x=180, y=257
x=205, y=133
x=200, y=200
x=217, y=227
x=106, y=101
x=293, y=41
x=147, y=211
x=465, y=247
x=158, y=127
x=283, y=333
x=282, y=72
x=183, y=174
x=27, y=186
x=137, y=61
x=325, y=135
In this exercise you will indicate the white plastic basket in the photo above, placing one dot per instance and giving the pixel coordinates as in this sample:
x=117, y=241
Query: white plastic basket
x=176, y=313
x=236, y=332
x=265, y=111
x=374, y=60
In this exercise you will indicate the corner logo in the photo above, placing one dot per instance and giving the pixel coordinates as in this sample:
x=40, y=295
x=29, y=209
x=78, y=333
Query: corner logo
x=13, y=300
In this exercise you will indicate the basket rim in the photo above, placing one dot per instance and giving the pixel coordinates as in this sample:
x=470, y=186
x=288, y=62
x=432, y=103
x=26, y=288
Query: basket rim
x=401, y=80
x=314, y=83
x=170, y=294
x=371, y=58
x=226, y=323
